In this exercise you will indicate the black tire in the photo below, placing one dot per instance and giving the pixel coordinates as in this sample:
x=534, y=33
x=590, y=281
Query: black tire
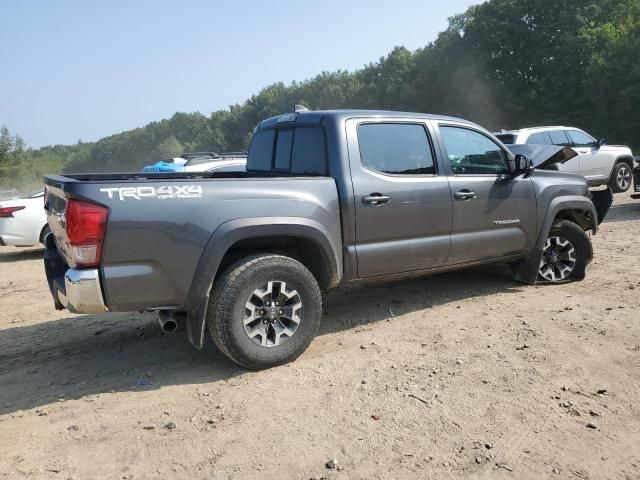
x=621, y=177
x=227, y=311
x=580, y=242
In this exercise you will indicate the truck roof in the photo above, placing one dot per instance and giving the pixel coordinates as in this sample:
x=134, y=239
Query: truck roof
x=316, y=116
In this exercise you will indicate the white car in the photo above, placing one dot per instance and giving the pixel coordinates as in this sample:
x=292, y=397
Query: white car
x=23, y=221
x=598, y=163
x=206, y=162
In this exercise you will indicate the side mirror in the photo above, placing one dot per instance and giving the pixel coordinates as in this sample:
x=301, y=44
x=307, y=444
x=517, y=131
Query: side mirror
x=601, y=142
x=519, y=164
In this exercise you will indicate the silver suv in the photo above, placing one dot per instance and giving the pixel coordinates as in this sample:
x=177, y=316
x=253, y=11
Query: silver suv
x=598, y=163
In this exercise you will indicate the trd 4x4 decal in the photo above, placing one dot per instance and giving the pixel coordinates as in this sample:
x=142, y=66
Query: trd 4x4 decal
x=164, y=192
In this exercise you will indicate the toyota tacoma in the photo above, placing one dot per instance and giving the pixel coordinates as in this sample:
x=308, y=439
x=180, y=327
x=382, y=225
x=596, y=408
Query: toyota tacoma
x=328, y=199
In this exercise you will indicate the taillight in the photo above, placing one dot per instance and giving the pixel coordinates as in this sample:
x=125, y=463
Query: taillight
x=86, y=224
x=8, y=211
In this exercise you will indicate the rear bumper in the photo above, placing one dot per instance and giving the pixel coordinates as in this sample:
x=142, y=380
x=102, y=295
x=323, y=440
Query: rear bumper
x=78, y=291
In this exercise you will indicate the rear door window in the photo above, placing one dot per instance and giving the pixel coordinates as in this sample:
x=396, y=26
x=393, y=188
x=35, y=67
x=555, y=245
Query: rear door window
x=540, y=138
x=396, y=148
x=558, y=137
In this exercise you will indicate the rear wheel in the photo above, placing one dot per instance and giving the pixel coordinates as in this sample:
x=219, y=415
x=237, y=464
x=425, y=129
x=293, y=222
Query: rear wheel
x=621, y=177
x=264, y=311
x=565, y=255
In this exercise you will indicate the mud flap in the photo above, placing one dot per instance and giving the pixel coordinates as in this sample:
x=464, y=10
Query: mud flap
x=196, y=324
x=602, y=200
x=526, y=270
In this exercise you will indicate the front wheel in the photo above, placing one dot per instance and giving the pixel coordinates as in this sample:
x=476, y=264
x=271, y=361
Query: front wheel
x=264, y=311
x=621, y=177
x=566, y=253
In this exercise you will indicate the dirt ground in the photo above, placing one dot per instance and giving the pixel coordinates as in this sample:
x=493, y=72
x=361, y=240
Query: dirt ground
x=460, y=375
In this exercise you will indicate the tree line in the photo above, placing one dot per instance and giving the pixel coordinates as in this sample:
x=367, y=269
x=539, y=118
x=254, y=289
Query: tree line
x=502, y=64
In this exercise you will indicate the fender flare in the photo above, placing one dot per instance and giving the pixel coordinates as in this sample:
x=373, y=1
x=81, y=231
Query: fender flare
x=557, y=205
x=233, y=231
x=527, y=269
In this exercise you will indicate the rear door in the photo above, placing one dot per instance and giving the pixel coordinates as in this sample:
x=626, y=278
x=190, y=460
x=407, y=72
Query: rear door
x=403, y=201
x=494, y=212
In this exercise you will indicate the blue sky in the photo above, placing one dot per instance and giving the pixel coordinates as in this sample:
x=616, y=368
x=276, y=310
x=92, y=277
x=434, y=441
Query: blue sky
x=74, y=70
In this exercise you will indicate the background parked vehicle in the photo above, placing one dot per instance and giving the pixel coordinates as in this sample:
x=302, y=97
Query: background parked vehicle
x=201, y=162
x=599, y=163
x=23, y=221
x=251, y=251
x=8, y=194
x=636, y=178
x=166, y=165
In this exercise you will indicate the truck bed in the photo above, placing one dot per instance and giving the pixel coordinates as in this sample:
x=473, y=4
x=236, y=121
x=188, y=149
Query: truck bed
x=160, y=224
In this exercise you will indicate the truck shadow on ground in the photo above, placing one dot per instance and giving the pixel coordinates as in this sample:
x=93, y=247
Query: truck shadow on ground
x=20, y=255
x=623, y=212
x=86, y=355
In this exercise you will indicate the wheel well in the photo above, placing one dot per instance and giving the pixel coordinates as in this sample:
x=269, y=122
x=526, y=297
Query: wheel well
x=42, y=232
x=627, y=160
x=579, y=217
x=306, y=251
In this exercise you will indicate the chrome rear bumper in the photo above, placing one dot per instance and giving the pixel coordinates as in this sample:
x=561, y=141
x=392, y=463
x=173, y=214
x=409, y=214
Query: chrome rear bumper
x=78, y=291
x=82, y=292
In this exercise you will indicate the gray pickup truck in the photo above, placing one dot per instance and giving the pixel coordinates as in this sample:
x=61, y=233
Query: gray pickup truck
x=329, y=198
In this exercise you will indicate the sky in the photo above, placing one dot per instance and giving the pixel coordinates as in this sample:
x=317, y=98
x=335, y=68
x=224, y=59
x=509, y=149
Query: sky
x=81, y=70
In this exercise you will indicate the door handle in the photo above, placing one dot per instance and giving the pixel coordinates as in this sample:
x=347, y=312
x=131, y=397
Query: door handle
x=465, y=195
x=375, y=199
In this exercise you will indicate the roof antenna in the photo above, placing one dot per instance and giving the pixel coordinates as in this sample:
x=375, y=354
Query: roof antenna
x=300, y=108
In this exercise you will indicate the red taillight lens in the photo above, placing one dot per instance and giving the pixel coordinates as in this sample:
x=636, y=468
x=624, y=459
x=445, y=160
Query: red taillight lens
x=8, y=211
x=86, y=224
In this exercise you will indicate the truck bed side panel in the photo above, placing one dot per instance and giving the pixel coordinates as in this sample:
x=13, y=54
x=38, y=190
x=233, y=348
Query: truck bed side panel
x=157, y=230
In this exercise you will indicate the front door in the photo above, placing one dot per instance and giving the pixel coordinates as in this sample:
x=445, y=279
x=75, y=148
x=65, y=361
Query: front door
x=494, y=213
x=595, y=165
x=402, y=197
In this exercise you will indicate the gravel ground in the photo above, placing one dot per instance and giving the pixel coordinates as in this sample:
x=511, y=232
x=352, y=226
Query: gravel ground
x=459, y=375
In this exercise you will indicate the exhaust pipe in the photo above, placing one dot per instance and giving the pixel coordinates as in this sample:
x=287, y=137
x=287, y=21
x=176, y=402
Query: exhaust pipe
x=168, y=322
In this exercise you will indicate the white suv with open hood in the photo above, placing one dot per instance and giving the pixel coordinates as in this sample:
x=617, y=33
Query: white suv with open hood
x=598, y=163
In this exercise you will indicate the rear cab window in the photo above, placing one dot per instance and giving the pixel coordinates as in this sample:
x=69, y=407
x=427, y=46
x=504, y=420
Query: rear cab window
x=297, y=151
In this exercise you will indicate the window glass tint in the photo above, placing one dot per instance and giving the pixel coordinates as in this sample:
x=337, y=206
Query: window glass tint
x=396, y=148
x=309, y=156
x=580, y=139
x=558, y=137
x=506, y=138
x=283, y=149
x=471, y=153
x=261, y=151
x=540, y=138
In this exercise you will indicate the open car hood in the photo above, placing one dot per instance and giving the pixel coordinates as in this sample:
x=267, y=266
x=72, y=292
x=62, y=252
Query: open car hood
x=544, y=155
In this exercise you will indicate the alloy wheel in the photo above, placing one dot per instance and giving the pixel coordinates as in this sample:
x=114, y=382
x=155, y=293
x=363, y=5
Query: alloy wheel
x=558, y=259
x=272, y=314
x=623, y=179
